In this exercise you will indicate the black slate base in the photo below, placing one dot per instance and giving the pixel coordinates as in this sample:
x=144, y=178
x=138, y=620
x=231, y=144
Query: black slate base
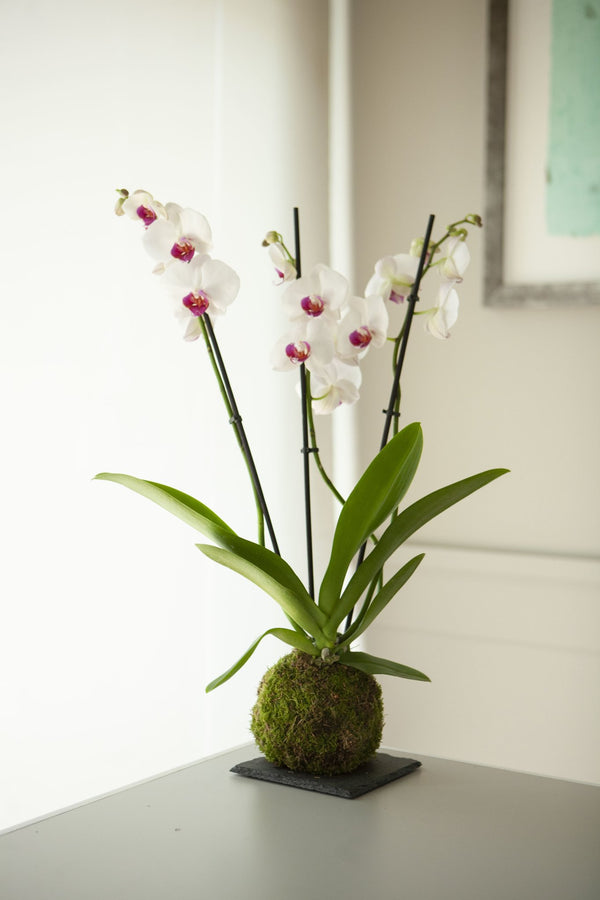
x=379, y=770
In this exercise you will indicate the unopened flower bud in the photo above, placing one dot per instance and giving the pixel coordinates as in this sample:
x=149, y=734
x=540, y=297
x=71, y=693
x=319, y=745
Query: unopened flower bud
x=461, y=233
x=271, y=237
x=123, y=195
x=416, y=247
x=474, y=219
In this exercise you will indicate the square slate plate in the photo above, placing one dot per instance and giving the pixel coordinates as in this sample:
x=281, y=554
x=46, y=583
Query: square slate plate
x=380, y=770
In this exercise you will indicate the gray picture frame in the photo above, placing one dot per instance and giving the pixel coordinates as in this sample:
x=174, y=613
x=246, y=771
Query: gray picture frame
x=496, y=292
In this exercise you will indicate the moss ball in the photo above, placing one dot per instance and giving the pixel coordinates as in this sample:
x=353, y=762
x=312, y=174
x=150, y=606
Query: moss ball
x=317, y=717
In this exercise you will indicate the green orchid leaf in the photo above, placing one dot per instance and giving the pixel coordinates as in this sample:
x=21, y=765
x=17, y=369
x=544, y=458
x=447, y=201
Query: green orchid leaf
x=284, y=634
x=186, y=508
x=276, y=568
x=204, y=520
x=377, y=493
x=381, y=600
x=298, y=606
x=403, y=526
x=374, y=665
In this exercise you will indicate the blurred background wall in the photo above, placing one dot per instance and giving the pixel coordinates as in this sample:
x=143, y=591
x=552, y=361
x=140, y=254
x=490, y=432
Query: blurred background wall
x=504, y=612
x=111, y=621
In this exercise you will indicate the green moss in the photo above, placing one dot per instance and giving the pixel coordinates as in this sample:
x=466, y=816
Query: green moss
x=317, y=717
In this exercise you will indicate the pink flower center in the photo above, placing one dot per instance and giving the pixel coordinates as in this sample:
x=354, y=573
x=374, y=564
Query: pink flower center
x=183, y=250
x=197, y=302
x=147, y=215
x=313, y=305
x=361, y=337
x=298, y=352
x=395, y=297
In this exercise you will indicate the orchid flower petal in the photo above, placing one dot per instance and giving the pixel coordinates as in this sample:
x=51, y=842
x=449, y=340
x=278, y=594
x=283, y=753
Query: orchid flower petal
x=142, y=206
x=442, y=317
x=179, y=237
x=202, y=285
x=220, y=282
x=286, y=271
x=393, y=277
x=364, y=325
x=332, y=385
x=454, y=265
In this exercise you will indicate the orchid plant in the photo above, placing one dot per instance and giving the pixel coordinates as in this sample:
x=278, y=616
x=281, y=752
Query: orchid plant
x=329, y=331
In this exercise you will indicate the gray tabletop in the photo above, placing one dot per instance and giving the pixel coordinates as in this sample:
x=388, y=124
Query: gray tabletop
x=449, y=830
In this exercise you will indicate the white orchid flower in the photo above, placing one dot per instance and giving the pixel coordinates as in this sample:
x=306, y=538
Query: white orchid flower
x=311, y=341
x=454, y=265
x=444, y=314
x=364, y=325
x=204, y=285
x=319, y=295
x=393, y=277
x=142, y=206
x=284, y=267
x=332, y=385
x=180, y=236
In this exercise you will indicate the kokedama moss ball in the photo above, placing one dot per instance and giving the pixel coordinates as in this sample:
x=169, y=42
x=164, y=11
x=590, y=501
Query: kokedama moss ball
x=317, y=717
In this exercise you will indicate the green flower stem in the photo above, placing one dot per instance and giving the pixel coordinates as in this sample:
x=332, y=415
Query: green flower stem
x=414, y=296
x=400, y=342
x=397, y=345
x=317, y=456
x=306, y=449
x=274, y=236
x=392, y=411
x=223, y=392
x=289, y=256
x=305, y=394
x=397, y=341
x=236, y=421
x=314, y=448
x=452, y=229
x=396, y=421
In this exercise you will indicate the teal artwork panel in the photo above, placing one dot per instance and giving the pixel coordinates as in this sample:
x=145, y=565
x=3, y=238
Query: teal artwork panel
x=573, y=164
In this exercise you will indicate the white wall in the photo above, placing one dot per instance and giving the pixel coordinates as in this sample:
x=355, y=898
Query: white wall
x=514, y=388
x=111, y=626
